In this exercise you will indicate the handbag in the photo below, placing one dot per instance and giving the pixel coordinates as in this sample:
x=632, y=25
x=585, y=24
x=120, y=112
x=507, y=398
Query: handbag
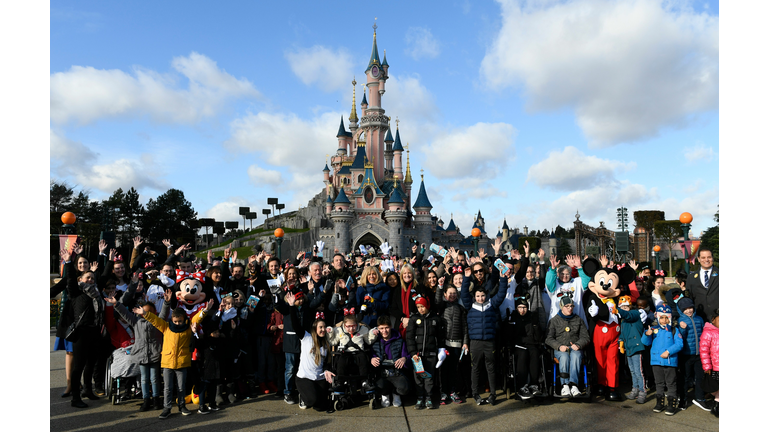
x=72, y=333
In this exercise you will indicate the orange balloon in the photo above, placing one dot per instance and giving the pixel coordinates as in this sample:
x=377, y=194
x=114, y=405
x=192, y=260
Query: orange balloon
x=279, y=233
x=656, y=248
x=476, y=232
x=686, y=218
x=68, y=218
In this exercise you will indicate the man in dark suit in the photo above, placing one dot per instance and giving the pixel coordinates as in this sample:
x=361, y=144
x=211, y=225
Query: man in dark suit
x=703, y=285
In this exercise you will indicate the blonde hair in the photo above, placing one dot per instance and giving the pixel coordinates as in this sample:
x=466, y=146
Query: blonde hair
x=409, y=268
x=367, y=271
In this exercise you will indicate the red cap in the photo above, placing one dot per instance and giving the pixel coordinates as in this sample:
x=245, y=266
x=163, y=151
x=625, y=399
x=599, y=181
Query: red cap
x=422, y=301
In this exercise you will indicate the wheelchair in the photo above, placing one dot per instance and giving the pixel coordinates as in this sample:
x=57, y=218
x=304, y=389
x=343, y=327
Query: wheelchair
x=350, y=390
x=119, y=369
x=510, y=384
x=585, y=377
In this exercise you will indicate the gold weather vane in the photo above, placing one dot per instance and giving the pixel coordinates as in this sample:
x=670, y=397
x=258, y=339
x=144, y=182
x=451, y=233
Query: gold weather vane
x=397, y=122
x=374, y=25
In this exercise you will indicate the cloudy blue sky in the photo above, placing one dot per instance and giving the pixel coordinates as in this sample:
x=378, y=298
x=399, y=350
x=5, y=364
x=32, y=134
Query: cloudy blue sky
x=532, y=110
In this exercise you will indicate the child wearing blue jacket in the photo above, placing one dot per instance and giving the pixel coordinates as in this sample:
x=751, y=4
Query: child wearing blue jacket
x=690, y=326
x=665, y=343
x=631, y=344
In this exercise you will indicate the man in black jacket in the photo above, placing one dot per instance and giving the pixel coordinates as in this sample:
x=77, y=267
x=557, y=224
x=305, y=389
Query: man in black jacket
x=704, y=286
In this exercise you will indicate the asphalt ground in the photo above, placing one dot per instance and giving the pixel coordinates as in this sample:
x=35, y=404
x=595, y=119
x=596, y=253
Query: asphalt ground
x=267, y=413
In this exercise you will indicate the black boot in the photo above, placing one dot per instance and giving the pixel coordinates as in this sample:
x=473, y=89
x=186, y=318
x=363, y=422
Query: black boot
x=220, y=400
x=88, y=392
x=77, y=402
x=613, y=395
x=659, y=404
x=158, y=402
x=716, y=409
x=671, y=406
x=147, y=405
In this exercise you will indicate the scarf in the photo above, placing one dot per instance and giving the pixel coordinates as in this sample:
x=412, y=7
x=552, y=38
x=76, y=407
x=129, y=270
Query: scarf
x=178, y=328
x=566, y=317
x=228, y=314
x=98, y=303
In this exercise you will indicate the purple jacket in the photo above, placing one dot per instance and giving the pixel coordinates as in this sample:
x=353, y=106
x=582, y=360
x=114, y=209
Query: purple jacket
x=392, y=349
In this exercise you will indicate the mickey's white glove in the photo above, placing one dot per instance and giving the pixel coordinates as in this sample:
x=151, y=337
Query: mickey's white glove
x=593, y=309
x=643, y=316
x=385, y=248
x=441, y=356
x=320, y=245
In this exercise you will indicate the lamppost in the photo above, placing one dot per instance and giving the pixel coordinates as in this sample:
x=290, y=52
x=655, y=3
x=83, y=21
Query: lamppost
x=476, y=237
x=685, y=223
x=279, y=233
x=656, y=250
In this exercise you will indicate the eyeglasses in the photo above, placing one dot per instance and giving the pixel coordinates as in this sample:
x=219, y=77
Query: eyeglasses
x=478, y=271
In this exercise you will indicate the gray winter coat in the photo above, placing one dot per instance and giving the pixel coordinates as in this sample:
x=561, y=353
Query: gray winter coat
x=577, y=333
x=148, y=340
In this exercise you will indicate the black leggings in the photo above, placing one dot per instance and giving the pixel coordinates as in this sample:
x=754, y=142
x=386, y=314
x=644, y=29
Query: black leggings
x=527, y=361
x=355, y=363
x=85, y=351
x=313, y=393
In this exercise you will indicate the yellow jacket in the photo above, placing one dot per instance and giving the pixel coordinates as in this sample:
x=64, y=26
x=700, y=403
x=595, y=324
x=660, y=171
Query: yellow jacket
x=175, y=353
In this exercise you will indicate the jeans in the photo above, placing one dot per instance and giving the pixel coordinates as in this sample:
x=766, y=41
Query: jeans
x=149, y=373
x=635, y=363
x=291, y=367
x=569, y=361
x=169, y=376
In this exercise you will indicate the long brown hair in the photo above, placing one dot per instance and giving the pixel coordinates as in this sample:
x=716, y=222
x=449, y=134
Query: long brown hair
x=318, y=342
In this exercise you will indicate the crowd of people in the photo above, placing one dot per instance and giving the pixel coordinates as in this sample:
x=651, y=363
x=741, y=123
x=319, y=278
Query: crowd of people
x=380, y=328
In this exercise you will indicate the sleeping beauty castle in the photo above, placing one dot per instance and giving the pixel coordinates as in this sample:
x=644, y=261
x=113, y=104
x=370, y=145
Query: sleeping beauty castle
x=368, y=189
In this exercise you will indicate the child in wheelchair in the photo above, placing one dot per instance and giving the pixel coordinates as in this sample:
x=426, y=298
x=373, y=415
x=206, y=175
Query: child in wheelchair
x=567, y=335
x=351, y=364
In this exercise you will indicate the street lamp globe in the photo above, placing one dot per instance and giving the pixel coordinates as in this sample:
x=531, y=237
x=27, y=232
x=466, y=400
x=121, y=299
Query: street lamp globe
x=686, y=218
x=279, y=233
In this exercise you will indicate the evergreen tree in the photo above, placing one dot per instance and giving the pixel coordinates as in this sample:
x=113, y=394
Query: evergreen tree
x=170, y=216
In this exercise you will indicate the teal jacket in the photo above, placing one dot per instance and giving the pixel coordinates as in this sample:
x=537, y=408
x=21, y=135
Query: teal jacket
x=631, y=332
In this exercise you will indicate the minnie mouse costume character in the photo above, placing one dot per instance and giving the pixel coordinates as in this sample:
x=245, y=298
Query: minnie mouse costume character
x=189, y=291
x=602, y=313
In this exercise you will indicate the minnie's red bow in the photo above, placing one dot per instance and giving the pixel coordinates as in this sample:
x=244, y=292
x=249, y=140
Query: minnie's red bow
x=457, y=269
x=659, y=272
x=181, y=275
x=320, y=315
x=149, y=264
x=350, y=311
x=118, y=258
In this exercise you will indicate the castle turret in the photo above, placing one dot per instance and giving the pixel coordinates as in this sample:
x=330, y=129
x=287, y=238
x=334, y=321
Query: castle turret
x=395, y=217
x=421, y=217
x=505, y=231
x=341, y=217
x=388, y=152
x=397, y=152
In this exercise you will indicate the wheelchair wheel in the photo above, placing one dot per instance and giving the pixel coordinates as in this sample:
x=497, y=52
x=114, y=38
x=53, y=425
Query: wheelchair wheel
x=108, y=381
x=338, y=406
x=372, y=403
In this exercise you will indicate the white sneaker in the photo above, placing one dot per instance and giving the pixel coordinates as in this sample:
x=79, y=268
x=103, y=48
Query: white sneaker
x=566, y=391
x=575, y=391
x=396, y=401
x=384, y=401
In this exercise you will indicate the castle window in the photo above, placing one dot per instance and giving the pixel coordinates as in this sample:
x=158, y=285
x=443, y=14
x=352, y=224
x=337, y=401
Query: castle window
x=359, y=179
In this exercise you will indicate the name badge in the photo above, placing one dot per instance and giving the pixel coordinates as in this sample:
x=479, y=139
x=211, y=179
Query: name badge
x=567, y=329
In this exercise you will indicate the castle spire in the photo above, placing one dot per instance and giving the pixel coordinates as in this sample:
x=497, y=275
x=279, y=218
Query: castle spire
x=408, y=178
x=353, y=113
x=374, y=52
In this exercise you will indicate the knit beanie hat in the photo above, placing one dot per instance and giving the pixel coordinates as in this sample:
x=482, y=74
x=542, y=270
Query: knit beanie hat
x=664, y=309
x=521, y=301
x=565, y=300
x=422, y=301
x=685, y=303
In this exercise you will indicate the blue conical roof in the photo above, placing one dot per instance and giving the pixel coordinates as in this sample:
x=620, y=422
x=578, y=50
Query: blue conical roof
x=451, y=226
x=374, y=55
x=505, y=226
x=326, y=168
x=359, y=162
x=396, y=197
x=498, y=234
x=388, y=138
x=384, y=60
x=328, y=199
x=398, y=145
x=342, y=129
x=365, y=101
x=341, y=198
x=421, y=199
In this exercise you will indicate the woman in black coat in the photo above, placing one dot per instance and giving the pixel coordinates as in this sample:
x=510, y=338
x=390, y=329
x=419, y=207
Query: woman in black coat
x=88, y=308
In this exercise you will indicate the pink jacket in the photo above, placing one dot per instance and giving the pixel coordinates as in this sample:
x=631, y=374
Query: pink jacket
x=709, y=347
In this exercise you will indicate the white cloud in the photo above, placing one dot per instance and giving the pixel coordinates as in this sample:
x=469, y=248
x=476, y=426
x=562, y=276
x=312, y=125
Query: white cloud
x=74, y=160
x=290, y=142
x=260, y=176
x=628, y=69
x=229, y=210
x=698, y=152
x=481, y=150
x=571, y=169
x=85, y=94
x=476, y=188
x=421, y=43
x=328, y=69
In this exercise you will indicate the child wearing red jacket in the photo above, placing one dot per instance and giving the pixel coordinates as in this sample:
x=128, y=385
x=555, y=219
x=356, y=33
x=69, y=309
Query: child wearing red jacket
x=709, y=347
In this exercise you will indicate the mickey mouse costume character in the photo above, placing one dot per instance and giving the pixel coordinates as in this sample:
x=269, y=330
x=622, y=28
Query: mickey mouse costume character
x=602, y=313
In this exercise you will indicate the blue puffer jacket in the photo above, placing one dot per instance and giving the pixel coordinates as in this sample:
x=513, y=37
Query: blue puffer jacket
x=482, y=318
x=380, y=295
x=661, y=341
x=691, y=333
x=631, y=332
